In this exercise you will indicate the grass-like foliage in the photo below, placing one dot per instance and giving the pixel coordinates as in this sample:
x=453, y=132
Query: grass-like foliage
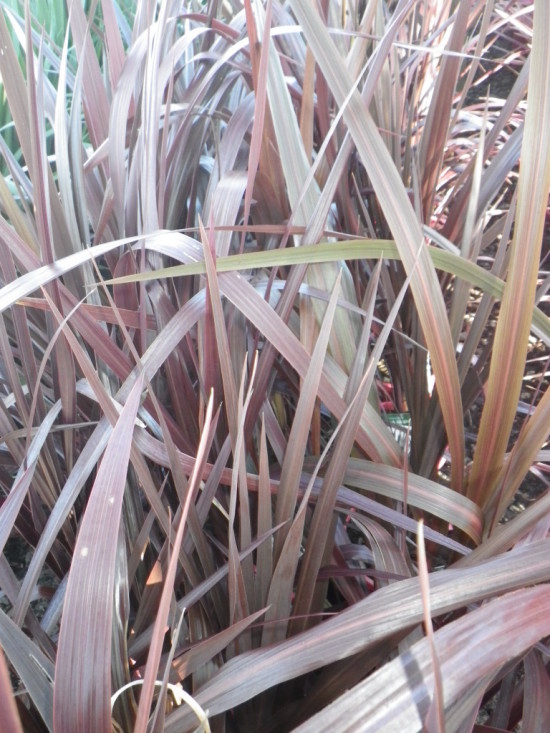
x=273, y=366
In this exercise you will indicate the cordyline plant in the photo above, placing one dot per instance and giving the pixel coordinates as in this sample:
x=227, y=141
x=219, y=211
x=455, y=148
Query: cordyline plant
x=272, y=284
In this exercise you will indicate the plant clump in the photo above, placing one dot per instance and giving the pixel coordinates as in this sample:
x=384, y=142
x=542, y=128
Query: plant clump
x=273, y=366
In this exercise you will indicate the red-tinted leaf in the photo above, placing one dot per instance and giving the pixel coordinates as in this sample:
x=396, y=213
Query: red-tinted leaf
x=10, y=718
x=82, y=699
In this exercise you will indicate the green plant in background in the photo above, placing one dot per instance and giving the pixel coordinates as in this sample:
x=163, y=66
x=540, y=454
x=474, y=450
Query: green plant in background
x=239, y=242
x=50, y=21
